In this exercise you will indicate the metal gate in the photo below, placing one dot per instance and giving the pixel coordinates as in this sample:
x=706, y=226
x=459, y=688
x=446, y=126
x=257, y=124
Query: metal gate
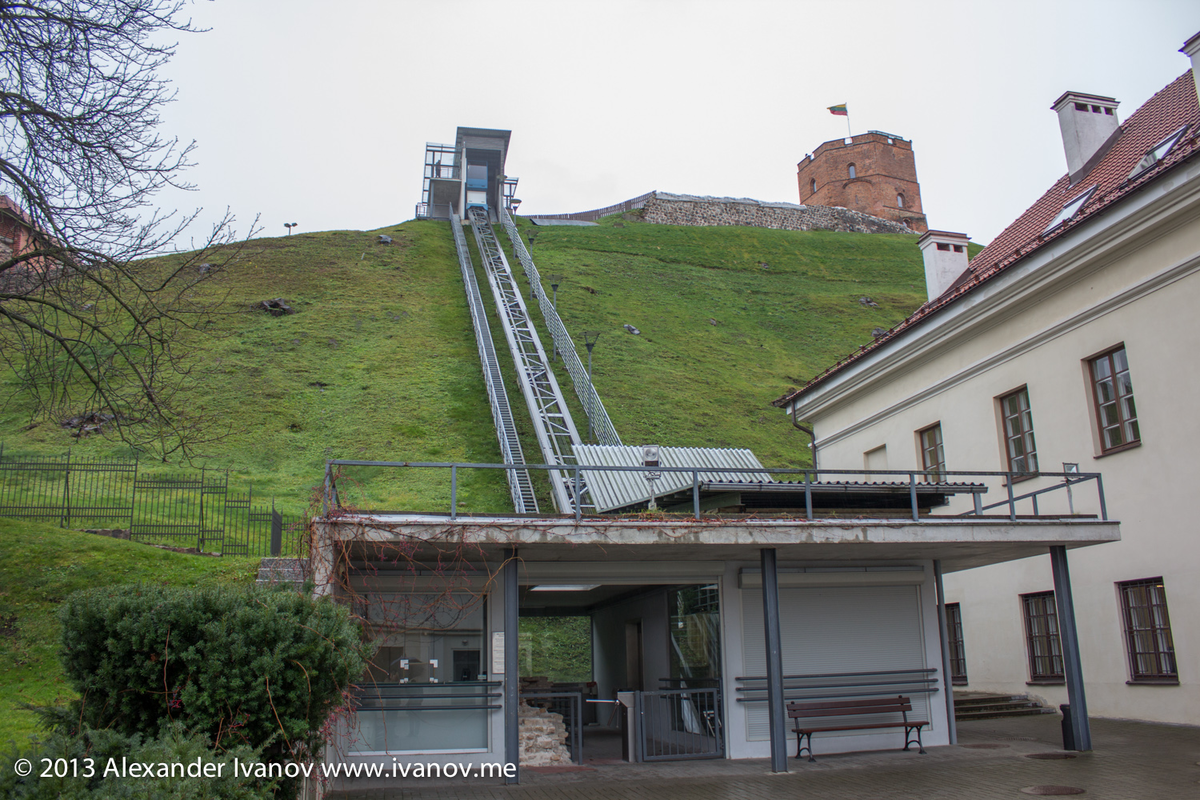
x=184, y=512
x=677, y=724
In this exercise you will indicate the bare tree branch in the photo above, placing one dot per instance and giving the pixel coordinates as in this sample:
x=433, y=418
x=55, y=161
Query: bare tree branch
x=88, y=323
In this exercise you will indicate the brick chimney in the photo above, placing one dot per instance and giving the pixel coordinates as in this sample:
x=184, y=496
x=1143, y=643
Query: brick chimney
x=945, y=255
x=1191, y=49
x=1086, y=121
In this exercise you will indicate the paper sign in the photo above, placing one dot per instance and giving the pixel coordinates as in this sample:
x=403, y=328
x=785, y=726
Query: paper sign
x=498, y=653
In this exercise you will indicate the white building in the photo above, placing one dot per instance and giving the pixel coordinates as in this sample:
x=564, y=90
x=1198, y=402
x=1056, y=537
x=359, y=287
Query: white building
x=1030, y=360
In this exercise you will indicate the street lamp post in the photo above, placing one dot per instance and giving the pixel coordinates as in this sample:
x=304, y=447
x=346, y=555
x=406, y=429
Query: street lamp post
x=554, y=305
x=589, y=339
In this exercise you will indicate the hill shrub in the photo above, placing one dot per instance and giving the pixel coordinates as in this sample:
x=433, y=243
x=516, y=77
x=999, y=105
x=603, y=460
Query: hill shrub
x=242, y=666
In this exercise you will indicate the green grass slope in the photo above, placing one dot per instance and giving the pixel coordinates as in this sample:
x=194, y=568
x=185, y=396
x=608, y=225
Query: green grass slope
x=39, y=566
x=380, y=363
x=730, y=317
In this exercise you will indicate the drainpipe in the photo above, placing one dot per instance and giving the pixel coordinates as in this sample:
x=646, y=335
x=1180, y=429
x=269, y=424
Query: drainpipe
x=811, y=436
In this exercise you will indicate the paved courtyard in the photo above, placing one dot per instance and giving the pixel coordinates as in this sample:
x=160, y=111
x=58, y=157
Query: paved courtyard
x=1131, y=761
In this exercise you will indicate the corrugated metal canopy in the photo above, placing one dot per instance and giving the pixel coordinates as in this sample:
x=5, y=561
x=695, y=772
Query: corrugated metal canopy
x=612, y=491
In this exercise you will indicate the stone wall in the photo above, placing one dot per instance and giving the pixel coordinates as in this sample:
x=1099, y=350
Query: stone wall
x=682, y=209
x=543, y=737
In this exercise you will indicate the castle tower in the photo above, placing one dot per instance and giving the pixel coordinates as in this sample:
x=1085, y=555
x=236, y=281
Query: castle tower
x=874, y=172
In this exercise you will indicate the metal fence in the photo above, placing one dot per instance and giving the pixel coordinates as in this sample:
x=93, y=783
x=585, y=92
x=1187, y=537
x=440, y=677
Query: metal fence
x=189, y=510
x=911, y=485
x=677, y=724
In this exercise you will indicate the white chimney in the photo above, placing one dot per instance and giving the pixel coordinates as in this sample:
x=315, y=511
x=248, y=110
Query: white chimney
x=1086, y=121
x=1191, y=48
x=945, y=255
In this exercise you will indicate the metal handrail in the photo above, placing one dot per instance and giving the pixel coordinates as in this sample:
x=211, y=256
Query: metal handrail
x=805, y=692
x=811, y=481
x=606, y=433
x=519, y=484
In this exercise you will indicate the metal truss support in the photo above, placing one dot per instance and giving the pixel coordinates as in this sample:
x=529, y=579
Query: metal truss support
x=519, y=484
x=556, y=432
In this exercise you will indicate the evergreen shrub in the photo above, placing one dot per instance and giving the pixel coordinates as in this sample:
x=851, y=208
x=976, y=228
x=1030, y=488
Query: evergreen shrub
x=242, y=666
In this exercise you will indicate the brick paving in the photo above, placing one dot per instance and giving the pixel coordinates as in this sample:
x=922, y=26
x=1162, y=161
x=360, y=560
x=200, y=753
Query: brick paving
x=1131, y=761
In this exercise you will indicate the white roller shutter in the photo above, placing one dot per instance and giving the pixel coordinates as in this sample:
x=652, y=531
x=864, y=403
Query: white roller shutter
x=834, y=630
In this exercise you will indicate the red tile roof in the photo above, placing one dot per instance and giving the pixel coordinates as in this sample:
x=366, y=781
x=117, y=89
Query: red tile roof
x=1161, y=115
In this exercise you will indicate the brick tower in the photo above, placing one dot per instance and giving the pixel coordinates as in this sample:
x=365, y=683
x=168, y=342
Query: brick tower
x=874, y=172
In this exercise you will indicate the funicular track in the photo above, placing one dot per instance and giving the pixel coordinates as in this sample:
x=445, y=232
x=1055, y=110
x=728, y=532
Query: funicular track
x=605, y=432
x=556, y=432
x=519, y=483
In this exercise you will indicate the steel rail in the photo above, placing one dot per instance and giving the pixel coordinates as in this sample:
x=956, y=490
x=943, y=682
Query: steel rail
x=552, y=422
x=603, y=427
x=520, y=485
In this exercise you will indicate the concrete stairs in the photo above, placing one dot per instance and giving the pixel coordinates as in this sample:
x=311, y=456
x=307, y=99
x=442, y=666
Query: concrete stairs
x=282, y=570
x=985, y=705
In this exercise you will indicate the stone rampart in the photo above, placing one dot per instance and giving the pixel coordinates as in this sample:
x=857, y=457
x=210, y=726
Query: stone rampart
x=682, y=209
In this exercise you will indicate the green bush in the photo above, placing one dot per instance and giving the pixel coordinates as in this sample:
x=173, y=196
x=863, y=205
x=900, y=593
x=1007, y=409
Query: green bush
x=257, y=667
x=171, y=746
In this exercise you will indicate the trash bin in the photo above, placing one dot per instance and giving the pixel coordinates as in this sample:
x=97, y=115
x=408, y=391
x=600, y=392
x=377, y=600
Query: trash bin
x=1068, y=730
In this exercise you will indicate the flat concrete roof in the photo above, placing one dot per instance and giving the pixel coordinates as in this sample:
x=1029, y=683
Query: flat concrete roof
x=959, y=543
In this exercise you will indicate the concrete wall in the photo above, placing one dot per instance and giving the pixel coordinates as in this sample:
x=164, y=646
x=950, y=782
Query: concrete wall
x=608, y=643
x=680, y=209
x=1132, y=278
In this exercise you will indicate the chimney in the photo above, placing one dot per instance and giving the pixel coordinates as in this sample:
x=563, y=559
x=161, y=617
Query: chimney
x=945, y=255
x=1191, y=48
x=1086, y=121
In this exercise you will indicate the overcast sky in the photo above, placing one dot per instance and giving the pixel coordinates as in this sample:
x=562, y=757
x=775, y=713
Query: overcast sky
x=316, y=112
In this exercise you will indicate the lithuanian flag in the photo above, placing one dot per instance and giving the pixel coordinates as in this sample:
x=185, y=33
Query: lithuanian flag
x=839, y=111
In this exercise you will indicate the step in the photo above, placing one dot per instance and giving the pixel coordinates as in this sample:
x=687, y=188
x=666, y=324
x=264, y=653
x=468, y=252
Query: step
x=281, y=570
x=987, y=699
x=1014, y=712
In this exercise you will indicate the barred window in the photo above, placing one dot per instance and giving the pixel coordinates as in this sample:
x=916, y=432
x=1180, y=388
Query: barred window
x=1041, y=632
x=1112, y=390
x=1148, y=630
x=958, y=655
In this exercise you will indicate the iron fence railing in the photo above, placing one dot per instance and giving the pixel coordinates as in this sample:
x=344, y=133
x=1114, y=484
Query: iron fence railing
x=191, y=509
x=678, y=724
x=604, y=430
x=916, y=484
x=568, y=705
x=597, y=213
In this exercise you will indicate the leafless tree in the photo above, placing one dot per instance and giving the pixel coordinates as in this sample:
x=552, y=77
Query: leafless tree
x=88, y=324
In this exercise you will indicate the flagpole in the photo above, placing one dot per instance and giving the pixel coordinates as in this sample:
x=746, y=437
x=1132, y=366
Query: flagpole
x=848, y=133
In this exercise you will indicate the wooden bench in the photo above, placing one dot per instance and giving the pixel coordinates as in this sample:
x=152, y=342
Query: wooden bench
x=842, y=710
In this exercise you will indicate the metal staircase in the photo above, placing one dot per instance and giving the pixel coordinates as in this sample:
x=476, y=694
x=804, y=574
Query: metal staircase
x=556, y=432
x=519, y=483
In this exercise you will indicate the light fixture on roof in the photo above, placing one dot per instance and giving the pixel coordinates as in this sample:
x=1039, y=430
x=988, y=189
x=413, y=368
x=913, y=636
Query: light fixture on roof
x=1158, y=152
x=1070, y=209
x=564, y=587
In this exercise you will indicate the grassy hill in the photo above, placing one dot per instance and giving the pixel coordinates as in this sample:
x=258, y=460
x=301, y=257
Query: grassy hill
x=39, y=566
x=380, y=363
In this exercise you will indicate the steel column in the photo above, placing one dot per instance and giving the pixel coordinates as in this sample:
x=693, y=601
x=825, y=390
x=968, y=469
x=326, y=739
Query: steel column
x=944, y=631
x=1069, y=635
x=512, y=740
x=775, y=709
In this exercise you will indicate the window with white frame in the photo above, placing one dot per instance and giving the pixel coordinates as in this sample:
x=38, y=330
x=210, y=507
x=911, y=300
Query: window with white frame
x=1112, y=391
x=1019, y=444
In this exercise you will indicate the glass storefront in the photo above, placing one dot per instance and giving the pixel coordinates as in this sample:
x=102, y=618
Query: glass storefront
x=426, y=688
